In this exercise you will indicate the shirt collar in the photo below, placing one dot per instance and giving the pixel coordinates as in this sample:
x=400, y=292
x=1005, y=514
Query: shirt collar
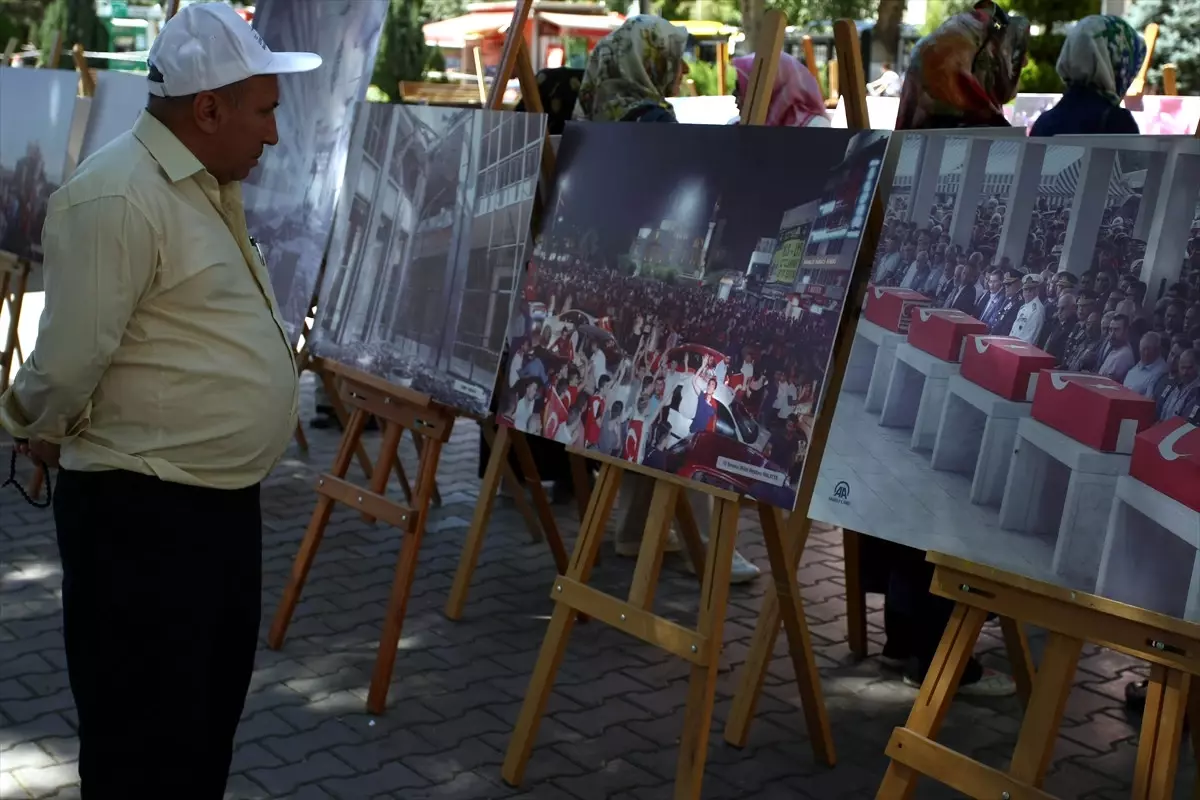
x=170, y=153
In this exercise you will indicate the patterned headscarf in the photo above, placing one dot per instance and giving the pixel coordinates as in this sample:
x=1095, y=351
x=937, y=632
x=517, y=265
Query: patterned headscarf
x=633, y=66
x=963, y=73
x=1102, y=53
x=796, y=96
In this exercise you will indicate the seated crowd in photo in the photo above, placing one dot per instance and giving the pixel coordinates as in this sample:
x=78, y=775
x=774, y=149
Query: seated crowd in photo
x=1095, y=322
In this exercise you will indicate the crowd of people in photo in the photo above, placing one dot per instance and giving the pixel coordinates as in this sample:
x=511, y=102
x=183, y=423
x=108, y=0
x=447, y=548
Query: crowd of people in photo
x=1096, y=322
x=24, y=194
x=601, y=359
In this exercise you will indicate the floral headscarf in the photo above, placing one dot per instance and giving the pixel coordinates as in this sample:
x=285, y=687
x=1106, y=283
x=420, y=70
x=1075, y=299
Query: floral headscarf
x=633, y=66
x=796, y=97
x=1102, y=53
x=963, y=73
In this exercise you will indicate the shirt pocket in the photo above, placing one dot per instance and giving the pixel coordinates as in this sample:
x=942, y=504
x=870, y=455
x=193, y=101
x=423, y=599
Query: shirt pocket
x=205, y=267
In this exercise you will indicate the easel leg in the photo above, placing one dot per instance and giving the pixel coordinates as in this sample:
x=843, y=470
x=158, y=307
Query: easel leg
x=12, y=343
x=406, y=568
x=762, y=645
x=316, y=529
x=499, y=443
x=1016, y=644
x=554, y=646
x=1162, y=731
x=436, y=497
x=1044, y=711
x=582, y=483
x=856, y=596
x=541, y=503
x=791, y=608
x=343, y=416
x=702, y=686
x=301, y=437
x=383, y=465
x=654, y=540
x=933, y=701
x=689, y=531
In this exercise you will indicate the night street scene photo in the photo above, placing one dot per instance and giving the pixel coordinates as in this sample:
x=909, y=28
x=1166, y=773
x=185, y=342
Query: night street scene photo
x=681, y=304
x=430, y=240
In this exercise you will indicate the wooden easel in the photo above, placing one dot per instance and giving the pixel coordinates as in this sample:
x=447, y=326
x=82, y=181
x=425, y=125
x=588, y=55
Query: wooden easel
x=14, y=277
x=397, y=409
x=634, y=615
x=539, y=517
x=1138, y=87
x=1170, y=645
x=745, y=701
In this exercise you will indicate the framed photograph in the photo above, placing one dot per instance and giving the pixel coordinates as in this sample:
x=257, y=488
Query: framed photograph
x=39, y=147
x=119, y=98
x=430, y=240
x=1024, y=390
x=680, y=308
x=291, y=195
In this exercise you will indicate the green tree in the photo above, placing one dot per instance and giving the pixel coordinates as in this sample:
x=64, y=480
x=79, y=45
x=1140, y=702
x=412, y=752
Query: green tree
x=76, y=19
x=1039, y=74
x=436, y=10
x=403, y=54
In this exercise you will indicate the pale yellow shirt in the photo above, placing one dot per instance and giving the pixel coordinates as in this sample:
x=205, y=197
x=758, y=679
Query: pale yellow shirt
x=160, y=350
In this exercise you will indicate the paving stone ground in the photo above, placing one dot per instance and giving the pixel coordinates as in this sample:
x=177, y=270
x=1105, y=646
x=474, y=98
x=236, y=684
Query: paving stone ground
x=613, y=723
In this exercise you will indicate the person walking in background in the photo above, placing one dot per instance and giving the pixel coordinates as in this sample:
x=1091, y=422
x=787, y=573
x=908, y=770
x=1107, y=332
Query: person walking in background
x=960, y=76
x=164, y=373
x=796, y=100
x=1098, y=62
x=888, y=84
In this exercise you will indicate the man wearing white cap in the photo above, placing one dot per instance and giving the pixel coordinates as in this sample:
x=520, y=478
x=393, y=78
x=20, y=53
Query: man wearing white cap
x=164, y=382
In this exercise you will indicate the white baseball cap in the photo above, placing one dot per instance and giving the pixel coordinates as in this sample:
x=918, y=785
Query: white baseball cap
x=208, y=45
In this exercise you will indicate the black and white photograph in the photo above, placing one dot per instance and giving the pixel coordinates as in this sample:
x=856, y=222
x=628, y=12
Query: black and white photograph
x=430, y=240
x=41, y=115
x=687, y=325
x=118, y=100
x=290, y=197
x=1029, y=342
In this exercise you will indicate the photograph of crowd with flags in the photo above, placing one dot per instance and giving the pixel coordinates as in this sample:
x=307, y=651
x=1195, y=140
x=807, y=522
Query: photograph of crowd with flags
x=1080, y=260
x=688, y=326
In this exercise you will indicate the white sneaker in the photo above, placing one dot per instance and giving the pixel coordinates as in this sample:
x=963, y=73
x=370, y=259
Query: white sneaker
x=629, y=548
x=744, y=570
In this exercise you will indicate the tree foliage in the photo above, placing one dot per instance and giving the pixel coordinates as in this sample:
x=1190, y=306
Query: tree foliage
x=76, y=20
x=403, y=54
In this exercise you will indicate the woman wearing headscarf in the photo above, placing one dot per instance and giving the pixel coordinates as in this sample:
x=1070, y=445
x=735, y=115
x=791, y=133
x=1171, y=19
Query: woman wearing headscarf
x=632, y=71
x=795, y=99
x=629, y=76
x=963, y=73
x=1098, y=62
x=960, y=76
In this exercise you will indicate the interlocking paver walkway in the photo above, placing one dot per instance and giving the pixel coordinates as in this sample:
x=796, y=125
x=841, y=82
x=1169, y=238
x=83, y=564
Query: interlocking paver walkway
x=612, y=725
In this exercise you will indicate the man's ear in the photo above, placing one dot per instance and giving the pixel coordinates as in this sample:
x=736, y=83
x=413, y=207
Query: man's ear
x=206, y=111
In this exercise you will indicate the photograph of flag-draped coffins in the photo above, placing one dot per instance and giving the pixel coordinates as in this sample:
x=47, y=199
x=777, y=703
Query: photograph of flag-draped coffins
x=1024, y=386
